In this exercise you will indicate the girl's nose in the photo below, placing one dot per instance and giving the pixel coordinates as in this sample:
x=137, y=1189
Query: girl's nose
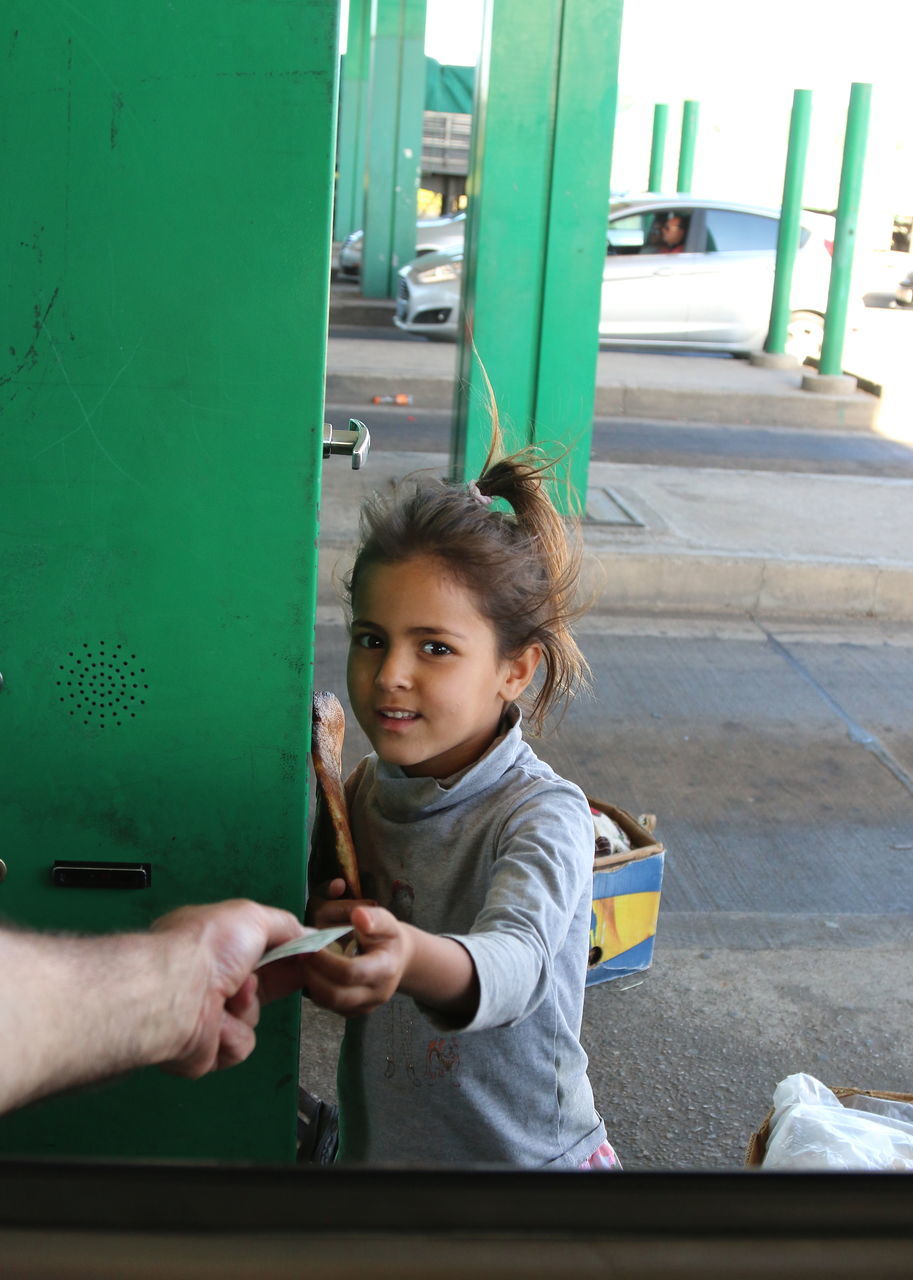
x=393, y=672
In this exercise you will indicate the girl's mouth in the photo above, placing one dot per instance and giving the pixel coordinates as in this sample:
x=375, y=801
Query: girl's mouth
x=390, y=716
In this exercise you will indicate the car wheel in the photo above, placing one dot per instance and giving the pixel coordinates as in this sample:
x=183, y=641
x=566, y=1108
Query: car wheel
x=804, y=335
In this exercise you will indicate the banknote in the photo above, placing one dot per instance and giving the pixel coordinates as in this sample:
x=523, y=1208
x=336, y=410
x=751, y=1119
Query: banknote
x=316, y=940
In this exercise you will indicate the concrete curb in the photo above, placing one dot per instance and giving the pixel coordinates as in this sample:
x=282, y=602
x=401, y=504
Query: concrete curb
x=660, y=404
x=361, y=312
x=696, y=404
x=721, y=584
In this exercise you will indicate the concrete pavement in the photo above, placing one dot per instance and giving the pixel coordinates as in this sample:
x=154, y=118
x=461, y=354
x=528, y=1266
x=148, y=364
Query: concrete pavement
x=664, y=538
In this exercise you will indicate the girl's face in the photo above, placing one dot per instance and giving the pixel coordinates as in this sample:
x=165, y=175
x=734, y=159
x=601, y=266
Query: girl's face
x=424, y=677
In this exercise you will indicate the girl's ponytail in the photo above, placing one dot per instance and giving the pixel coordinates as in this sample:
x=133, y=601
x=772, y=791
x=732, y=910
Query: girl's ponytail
x=522, y=481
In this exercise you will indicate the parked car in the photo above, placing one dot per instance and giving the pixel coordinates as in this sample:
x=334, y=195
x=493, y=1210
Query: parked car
x=428, y=296
x=711, y=293
x=430, y=234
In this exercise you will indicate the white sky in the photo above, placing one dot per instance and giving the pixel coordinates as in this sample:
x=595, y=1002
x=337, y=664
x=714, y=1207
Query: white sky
x=741, y=62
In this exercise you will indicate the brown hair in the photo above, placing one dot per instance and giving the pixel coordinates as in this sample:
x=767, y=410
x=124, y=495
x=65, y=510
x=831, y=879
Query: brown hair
x=520, y=565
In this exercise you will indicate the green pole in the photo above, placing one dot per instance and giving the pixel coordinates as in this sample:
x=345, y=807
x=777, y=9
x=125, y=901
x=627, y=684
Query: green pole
x=394, y=146
x=857, y=124
x=658, y=147
x=353, y=110
x=790, y=214
x=575, y=246
x=544, y=107
x=686, y=151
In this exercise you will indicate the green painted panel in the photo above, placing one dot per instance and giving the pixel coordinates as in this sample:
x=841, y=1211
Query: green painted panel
x=169, y=178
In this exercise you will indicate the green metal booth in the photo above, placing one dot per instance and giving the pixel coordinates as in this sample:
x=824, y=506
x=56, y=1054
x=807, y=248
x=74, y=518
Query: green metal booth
x=168, y=186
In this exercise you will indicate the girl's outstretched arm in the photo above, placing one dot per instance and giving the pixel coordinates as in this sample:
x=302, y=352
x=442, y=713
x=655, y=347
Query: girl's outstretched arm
x=435, y=971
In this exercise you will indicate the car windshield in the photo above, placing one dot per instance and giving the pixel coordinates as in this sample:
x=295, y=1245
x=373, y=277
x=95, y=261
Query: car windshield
x=630, y=232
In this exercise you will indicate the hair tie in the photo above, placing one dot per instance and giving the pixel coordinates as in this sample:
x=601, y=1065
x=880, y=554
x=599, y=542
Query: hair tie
x=475, y=492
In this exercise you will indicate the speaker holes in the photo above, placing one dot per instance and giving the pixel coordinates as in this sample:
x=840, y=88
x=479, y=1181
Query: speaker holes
x=107, y=685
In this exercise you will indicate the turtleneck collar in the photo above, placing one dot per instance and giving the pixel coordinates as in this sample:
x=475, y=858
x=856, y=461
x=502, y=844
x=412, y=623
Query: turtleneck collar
x=405, y=799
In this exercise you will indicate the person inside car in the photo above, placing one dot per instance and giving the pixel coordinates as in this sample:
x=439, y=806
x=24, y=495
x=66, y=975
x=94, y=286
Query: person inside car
x=672, y=235
x=667, y=235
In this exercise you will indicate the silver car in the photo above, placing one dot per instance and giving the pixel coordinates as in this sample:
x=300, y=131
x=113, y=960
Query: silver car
x=680, y=273
x=430, y=234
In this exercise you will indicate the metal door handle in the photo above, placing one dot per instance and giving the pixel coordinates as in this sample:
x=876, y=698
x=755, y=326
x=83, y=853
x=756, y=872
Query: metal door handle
x=355, y=442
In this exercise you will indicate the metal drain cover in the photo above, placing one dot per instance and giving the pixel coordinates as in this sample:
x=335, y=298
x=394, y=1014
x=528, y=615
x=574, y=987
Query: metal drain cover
x=603, y=506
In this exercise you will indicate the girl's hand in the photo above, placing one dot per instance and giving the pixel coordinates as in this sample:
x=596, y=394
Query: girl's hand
x=355, y=985
x=394, y=956
x=327, y=906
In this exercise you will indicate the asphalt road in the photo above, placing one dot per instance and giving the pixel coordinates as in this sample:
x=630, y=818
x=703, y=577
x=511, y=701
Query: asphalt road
x=668, y=444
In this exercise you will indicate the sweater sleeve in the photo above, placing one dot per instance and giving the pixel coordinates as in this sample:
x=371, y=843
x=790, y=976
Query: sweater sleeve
x=543, y=867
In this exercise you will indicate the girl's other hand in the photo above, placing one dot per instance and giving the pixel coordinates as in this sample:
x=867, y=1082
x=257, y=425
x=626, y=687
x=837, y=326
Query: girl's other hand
x=327, y=906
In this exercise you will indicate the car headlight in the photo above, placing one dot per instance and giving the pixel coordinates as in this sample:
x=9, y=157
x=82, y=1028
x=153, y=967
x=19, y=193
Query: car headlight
x=437, y=275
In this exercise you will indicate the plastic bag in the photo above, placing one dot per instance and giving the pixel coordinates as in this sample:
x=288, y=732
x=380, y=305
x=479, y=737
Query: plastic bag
x=812, y=1129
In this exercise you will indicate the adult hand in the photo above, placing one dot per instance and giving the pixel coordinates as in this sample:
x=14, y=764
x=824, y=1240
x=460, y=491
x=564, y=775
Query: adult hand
x=182, y=994
x=210, y=955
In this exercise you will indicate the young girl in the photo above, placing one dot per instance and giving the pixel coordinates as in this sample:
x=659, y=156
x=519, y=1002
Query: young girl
x=468, y=991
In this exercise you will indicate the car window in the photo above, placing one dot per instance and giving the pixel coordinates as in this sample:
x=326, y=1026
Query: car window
x=628, y=234
x=729, y=231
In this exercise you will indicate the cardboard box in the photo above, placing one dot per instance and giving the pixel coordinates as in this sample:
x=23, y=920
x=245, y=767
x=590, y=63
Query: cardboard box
x=626, y=895
x=757, y=1143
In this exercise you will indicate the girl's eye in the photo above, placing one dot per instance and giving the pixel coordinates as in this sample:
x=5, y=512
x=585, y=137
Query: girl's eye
x=365, y=640
x=436, y=648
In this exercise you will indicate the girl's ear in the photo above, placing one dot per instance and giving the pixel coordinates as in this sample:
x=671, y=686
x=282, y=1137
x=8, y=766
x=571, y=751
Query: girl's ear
x=520, y=671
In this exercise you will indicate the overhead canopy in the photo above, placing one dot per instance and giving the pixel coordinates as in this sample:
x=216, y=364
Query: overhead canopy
x=448, y=88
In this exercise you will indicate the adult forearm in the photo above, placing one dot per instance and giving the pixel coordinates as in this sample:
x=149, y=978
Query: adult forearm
x=77, y=1009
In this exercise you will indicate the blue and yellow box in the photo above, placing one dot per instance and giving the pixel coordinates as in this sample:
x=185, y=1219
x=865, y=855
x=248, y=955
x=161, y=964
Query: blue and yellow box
x=626, y=893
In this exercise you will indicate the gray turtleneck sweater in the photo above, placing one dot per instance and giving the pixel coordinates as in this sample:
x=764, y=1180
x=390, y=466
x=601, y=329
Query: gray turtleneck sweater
x=500, y=858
